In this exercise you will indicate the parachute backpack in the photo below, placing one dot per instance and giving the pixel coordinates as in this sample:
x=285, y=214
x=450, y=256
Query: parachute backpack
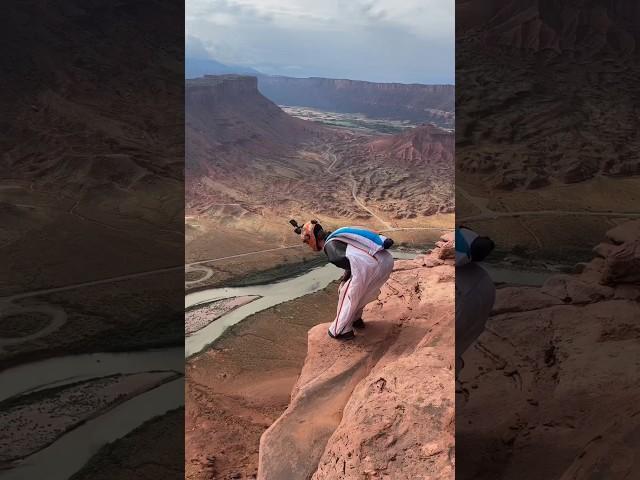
x=471, y=247
x=361, y=238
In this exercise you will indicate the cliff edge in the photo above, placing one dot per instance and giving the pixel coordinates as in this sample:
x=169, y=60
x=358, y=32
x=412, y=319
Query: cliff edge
x=381, y=406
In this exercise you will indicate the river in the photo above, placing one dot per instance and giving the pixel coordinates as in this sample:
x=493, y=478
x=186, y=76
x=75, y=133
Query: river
x=73, y=450
x=270, y=295
x=511, y=276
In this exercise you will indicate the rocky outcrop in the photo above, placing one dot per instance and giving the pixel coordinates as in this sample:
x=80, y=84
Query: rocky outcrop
x=425, y=145
x=382, y=405
x=621, y=255
x=235, y=138
x=228, y=120
x=556, y=366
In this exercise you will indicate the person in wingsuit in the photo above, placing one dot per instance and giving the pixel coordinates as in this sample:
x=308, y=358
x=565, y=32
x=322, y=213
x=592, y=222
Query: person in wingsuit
x=475, y=291
x=367, y=263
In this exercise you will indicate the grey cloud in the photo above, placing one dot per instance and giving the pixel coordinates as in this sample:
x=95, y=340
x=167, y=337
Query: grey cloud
x=210, y=7
x=366, y=49
x=368, y=10
x=194, y=48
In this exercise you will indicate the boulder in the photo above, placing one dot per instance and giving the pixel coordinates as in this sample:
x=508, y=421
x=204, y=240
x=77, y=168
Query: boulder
x=625, y=232
x=622, y=265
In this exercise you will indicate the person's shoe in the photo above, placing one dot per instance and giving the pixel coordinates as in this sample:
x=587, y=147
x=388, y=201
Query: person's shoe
x=359, y=323
x=343, y=336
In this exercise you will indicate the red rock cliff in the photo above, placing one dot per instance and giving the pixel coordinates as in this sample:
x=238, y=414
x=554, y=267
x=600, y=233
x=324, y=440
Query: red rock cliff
x=380, y=406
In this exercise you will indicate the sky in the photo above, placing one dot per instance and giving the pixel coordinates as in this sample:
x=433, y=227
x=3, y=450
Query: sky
x=407, y=41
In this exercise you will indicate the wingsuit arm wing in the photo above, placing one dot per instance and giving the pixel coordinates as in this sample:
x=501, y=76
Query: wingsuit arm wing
x=336, y=252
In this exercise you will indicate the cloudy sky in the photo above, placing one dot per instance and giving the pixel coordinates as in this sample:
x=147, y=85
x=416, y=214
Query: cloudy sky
x=378, y=40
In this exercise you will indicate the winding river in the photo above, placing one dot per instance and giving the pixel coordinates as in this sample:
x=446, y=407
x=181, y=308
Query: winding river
x=270, y=295
x=72, y=451
x=512, y=276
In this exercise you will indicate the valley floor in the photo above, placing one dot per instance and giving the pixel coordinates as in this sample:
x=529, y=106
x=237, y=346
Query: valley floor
x=236, y=389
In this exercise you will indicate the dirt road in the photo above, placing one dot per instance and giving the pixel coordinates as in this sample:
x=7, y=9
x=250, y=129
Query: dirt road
x=363, y=206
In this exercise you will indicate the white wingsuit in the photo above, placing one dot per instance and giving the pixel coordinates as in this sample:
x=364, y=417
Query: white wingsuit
x=369, y=271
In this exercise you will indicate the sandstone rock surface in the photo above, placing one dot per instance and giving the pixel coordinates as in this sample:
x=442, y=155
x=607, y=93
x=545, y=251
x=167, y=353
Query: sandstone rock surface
x=382, y=405
x=554, y=377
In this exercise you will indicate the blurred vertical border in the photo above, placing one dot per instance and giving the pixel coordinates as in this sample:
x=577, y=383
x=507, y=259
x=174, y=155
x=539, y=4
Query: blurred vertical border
x=92, y=239
x=547, y=165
